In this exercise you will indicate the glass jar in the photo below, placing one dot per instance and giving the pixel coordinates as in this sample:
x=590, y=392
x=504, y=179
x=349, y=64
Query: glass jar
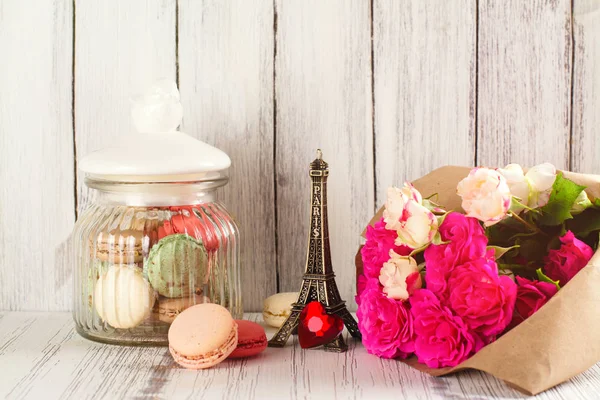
x=152, y=239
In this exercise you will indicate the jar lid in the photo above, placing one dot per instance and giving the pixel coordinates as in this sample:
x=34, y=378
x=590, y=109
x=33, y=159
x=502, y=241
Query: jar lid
x=157, y=152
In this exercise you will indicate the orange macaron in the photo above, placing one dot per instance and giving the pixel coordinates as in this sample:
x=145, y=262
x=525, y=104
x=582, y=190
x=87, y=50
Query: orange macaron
x=202, y=336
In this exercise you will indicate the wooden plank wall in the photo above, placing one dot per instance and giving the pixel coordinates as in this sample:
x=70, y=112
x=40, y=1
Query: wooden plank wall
x=388, y=89
x=37, y=200
x=226, y=81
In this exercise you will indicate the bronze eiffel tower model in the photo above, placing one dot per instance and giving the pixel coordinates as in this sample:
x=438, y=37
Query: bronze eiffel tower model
x=318, y=283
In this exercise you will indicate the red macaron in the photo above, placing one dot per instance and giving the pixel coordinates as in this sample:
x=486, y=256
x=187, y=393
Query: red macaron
x=252, y=339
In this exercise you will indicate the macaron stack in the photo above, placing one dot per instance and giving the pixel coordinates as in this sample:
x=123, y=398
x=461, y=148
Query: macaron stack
x=147, y=271
x=204, y=335
x=115, y=284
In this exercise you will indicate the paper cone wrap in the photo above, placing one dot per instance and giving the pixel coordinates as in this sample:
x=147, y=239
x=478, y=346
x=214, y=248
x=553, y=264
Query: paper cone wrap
x=559, y=341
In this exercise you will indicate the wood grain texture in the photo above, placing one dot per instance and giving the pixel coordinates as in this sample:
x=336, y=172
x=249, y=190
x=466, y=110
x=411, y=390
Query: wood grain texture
x=36, y=154
x=226, y=79
x=121, y=47
x=585, y=154
x=524, y=82
x=49, y=360
x=323, y=93
x=424, y=90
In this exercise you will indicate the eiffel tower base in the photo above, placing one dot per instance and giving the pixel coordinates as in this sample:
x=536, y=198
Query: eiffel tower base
x=337, y=345
x=290, y=326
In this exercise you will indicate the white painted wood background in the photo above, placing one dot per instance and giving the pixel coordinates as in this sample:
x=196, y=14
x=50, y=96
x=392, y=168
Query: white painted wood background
x=389, y=89
x=49, y=360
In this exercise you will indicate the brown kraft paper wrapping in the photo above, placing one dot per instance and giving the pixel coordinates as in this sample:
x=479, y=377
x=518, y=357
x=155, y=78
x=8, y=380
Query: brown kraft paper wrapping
x=559, y=341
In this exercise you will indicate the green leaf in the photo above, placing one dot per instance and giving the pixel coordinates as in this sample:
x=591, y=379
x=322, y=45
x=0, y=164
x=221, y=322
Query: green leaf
x=523, y=235
x=500, y=251
x=509, y=266
x=585, y=223
x=516, y=206
x=436, y=195
x=563, y=196
x=433, y=207
x=507, y=272
x=542, y=277
x=533, y=248
x=418, y=250
x=441, y=218
x=437, y=239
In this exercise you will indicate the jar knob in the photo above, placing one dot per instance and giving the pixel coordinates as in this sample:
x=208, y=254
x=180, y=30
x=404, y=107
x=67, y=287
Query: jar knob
x=158, y=109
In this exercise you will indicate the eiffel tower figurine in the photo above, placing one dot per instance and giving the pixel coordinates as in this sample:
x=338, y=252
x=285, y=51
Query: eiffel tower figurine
x=318, y=283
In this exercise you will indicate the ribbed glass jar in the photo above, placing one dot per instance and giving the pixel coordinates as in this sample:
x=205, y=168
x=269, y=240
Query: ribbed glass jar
x=143, y=252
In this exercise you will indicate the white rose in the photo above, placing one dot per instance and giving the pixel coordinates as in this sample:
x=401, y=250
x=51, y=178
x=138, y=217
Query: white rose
x=417, y=226
x=405, y=213
x=541, y=179
x=517, y=182
x=485, y=195
x=394, y=273
x=396, y=201
x=533, y=189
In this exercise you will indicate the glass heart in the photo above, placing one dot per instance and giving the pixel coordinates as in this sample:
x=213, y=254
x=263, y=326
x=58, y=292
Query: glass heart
x=316, y=327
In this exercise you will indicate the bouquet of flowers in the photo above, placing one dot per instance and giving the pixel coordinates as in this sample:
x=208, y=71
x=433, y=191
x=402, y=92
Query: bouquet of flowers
x=473, y=275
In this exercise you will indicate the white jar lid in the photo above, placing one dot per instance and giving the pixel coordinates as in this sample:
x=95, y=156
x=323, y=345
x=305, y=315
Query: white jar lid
x=157, y=152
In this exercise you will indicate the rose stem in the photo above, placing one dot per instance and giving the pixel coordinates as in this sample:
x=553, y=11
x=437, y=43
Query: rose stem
x=527, y=224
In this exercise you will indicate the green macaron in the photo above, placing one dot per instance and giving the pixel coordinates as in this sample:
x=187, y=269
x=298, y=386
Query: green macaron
x=177, y=265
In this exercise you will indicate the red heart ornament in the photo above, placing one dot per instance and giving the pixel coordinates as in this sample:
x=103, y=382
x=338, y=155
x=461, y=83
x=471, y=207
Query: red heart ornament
x=316, y=327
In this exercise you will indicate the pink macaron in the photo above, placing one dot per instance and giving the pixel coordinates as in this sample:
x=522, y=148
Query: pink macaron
x=251, y=339
x=202, y=336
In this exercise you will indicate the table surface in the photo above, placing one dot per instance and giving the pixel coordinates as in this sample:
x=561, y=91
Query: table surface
x=42, y=356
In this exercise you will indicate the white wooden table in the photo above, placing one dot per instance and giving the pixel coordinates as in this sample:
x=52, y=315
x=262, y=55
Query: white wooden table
x=42, y=357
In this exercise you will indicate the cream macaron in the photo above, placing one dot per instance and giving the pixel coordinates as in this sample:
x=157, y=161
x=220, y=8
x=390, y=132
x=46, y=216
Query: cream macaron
x=278, y=307
x=122, y=297
x=202, y=336
x=166, y=310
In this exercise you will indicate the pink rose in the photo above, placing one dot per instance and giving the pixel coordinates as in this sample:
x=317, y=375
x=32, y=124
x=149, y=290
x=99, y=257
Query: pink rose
x=377, y=248
x=531, y=296
x=484, y=300
x=386, y=325
x=442, y=339
x=467, y=241
x=363, y=283
x=564, y=263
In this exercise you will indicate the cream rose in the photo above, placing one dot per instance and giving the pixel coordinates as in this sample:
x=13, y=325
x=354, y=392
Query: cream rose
x=541, y=179
x=400, y=276
x=405, y=213
x=517, y=182
x=485, y=195
x=533, y=189
x=396, y=201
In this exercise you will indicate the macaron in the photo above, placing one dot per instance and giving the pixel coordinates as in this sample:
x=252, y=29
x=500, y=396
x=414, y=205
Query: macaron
x=177, y=265
x=122, y=297
x=251, y=339
x=278, y=307
x=202, y=336
x=119, y=247
x=193, y=221
x=96, y=269
x=166, y=309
